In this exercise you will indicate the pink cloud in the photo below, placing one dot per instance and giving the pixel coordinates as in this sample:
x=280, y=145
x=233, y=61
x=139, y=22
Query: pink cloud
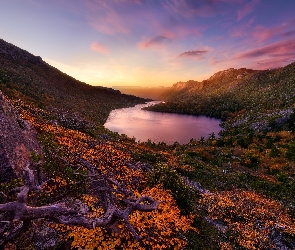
x=285, y=48
x=100, y=48
x=201, y=8
x=125, y=16
x=260, y=34
x=275, y=62
x=107, y=19
x=265, y=57
x=170, y=18
x=188, y=8
x=264, y=34
x=111, y=24
x=195, y=54
x=247, y=9
x=269, y=56
x=242, y=30
x=157, y=41
x=289, y=33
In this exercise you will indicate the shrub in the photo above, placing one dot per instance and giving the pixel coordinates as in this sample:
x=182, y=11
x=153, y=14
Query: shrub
x=170, y=179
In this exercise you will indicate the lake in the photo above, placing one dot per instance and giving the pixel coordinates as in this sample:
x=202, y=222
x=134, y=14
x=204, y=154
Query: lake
x=160, y=127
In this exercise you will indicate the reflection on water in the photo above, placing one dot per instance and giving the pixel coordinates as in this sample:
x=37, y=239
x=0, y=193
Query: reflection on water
x=160, y=127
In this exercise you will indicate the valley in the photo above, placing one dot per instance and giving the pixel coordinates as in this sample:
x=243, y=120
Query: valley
x=234, y=191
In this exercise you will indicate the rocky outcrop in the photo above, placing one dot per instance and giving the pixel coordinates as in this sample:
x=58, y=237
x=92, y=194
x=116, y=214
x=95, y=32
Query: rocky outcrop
x=17, y=141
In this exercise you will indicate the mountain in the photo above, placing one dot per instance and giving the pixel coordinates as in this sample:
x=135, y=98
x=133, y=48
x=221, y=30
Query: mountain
x=240, y=97
x=25, y=76
x=220, y=82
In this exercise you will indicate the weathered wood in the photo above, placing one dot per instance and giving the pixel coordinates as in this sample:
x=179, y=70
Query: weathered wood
x=20, y=211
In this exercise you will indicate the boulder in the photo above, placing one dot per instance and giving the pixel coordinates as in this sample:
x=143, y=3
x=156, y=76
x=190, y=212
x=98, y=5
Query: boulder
x=18, y=140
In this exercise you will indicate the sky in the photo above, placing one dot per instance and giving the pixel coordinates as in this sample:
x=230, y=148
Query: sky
x=151, y=42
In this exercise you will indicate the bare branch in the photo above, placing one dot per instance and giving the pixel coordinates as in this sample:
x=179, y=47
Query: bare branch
x=153, y=204
x=104, y=188
x=4, y=195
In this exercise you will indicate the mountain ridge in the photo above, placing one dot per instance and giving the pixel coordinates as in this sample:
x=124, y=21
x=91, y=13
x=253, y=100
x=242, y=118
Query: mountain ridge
x=220, y=80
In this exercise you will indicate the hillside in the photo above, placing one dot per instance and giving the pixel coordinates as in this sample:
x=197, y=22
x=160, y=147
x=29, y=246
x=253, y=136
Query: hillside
x=25, y=76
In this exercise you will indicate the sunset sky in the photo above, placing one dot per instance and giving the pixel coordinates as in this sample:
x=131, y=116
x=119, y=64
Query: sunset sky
x=151, y=42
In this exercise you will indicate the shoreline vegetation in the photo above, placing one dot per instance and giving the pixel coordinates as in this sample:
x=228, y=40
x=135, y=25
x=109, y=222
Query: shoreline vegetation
x=231, y=192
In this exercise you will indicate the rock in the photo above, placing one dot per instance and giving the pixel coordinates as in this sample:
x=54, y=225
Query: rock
x=45, y=238
x=195, y=185
x=18, y=140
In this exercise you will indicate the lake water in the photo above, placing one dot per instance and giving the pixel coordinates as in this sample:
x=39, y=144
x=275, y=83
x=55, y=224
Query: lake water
x=160, y=127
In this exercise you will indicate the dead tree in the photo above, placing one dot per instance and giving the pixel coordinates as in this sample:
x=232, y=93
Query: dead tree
x=15, y=214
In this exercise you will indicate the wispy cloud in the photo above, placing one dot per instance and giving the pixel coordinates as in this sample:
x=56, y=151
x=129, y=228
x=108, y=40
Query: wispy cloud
x=111, y=17
x=266, y=33
x=100, y=48
x=247, y=9
x=275, y=49
x=150, y=17
x=289, y=33
x=254, y=35
x=242, y=29
x=268, y=56
x=275, y=62
x=201, y=8
x=195, y=54
x=157, y=41
x=263, y=34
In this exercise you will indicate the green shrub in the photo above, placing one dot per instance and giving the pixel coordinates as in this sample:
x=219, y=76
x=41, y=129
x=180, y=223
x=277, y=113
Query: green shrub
x=170, y=179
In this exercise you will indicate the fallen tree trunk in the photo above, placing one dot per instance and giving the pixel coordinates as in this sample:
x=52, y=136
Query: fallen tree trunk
x=19, y=211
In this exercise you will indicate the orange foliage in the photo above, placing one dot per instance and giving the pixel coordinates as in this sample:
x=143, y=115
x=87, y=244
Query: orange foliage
x=56, y=182
x=160, y=229
x=250, y=218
